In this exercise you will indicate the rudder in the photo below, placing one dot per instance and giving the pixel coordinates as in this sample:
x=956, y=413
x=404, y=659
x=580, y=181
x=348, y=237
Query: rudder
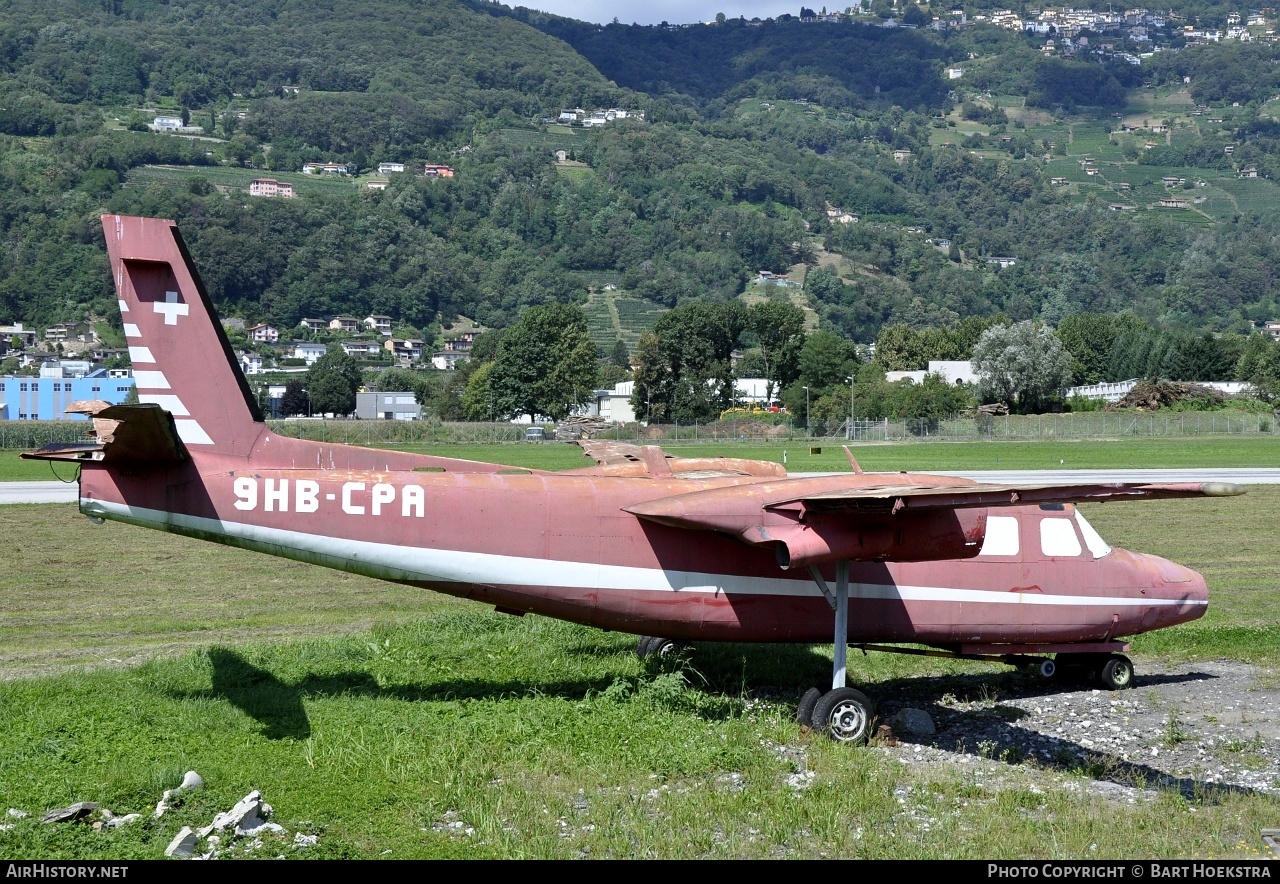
x=182, y=359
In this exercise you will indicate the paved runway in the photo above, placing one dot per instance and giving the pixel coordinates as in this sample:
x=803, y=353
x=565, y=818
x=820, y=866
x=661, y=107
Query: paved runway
x=38, y=492
x=59, y=492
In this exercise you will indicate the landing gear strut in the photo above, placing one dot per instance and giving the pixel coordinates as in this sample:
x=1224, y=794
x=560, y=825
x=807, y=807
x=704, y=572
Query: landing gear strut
x=842, y=713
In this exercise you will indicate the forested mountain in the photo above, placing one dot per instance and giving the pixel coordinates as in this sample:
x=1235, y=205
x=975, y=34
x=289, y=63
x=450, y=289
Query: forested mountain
x=754, y=145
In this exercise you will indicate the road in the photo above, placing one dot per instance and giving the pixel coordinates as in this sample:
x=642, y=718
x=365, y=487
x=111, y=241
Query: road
x=59, y=492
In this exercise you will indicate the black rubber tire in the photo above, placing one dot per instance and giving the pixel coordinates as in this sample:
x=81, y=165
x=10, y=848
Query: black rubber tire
x=804, y=711
x=844, y=715
x=1047, y=668
x=644, y=647
x=664, y=647
x=1117, y=673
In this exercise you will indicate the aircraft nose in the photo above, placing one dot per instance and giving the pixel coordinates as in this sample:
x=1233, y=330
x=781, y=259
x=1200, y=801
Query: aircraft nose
x=1181, y=578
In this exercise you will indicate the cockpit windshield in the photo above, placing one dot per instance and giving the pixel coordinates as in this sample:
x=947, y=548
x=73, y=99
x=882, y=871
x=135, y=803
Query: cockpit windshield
x=1092, y=538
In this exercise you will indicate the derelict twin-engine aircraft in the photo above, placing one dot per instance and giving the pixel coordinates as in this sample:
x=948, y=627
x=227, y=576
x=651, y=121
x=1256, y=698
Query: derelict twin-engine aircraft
x=671, y=549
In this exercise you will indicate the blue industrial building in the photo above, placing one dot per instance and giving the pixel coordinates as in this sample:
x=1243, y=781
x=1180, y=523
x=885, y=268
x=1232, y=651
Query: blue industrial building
x=46, y=399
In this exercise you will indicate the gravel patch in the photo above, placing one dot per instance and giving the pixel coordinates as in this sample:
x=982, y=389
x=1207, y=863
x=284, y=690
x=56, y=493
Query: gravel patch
x=1201, y=728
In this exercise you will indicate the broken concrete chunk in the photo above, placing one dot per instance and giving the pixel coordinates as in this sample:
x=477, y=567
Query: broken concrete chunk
x=190, y=780
x=258, y=826
x=18, y=814
x=183, y=845
x=118, y=821
x=247, y=808
x=77, y=811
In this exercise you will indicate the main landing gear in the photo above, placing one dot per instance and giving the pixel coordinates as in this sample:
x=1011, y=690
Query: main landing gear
x=1114, y=672
x=657, y=646
x=843, y=713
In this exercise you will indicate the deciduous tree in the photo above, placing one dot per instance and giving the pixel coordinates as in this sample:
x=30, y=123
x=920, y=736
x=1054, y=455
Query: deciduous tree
x=332, y=383
x=546, y=364
x=1023, y=365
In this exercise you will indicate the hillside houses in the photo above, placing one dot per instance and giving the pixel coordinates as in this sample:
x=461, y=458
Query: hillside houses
x=576, y=116
x=271, y=187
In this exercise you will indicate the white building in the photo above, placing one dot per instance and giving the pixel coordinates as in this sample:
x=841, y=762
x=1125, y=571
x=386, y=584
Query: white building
x=952, y=371
x=309, y=353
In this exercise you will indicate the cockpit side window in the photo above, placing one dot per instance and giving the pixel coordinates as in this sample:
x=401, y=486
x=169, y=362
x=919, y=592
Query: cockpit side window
x=1058, y=538
x=1092, y=538
x=1002, y=537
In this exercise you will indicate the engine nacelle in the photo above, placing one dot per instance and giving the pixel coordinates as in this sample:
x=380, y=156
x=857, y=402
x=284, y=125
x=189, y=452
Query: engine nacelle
x=915, y=537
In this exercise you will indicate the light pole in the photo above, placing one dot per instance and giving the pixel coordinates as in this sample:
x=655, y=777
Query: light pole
x=806, y=412
x=851, y=379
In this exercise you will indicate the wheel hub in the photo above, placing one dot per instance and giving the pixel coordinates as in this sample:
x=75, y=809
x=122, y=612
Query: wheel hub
x=848, y=721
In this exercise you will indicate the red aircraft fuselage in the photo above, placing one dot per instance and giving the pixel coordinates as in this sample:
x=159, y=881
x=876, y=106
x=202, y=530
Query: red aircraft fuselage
x=683, y=548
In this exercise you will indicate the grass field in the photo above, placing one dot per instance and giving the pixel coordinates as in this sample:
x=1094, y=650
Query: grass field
x=401, y=724
x=398, y=723
x=1129, y=453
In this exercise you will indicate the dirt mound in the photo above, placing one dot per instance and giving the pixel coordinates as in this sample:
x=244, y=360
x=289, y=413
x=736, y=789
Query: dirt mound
x=1154, y=395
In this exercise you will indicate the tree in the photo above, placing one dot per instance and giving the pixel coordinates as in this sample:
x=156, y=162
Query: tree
x=826, y=359
x=1260, y=365
x=294, y=401
x=332, y=382
x=477, y=397
x=683, y=371
x=779, y=327
x=621, y=356
x=546, y=364
x=1023, y=365
x=651, y=373
x=1089, y=337
x=914, y=15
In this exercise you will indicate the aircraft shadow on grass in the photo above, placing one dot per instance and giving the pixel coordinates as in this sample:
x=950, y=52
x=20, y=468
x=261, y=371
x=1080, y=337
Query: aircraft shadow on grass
x=278, y=706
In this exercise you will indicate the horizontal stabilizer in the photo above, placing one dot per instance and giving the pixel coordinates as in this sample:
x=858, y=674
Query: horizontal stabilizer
x=623, y=459
x=142, y=435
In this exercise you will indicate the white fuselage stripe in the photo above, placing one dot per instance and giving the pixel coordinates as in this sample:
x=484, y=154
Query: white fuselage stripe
x=407, y=563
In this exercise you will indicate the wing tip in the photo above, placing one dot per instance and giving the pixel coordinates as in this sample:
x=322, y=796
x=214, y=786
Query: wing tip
x=1221, y=489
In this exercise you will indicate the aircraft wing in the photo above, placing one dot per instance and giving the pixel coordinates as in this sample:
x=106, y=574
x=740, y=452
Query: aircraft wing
x=868, y=517
x=919, y=497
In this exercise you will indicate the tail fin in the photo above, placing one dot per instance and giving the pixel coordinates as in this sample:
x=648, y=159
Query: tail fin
x=182, y=360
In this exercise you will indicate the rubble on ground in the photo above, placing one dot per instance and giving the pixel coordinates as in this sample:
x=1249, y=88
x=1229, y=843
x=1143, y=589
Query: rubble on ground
x=581, y=427
x=240, y=830
x=1154, y=395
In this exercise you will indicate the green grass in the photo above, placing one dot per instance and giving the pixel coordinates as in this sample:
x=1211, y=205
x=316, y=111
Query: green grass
x=401, y=724
x=1137, y=453
x=1092, y=139
x=1130, y=453
x=1254, y=196
x=14, y=469
x=398, y=723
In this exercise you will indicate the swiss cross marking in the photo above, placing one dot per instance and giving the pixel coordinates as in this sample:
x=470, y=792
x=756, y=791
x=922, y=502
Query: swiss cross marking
x=171, y=308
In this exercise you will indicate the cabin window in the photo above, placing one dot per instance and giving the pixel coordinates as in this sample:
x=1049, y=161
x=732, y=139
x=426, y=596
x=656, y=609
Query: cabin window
x=1092, y=538
x=1058, y=538
x=1002, y=537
